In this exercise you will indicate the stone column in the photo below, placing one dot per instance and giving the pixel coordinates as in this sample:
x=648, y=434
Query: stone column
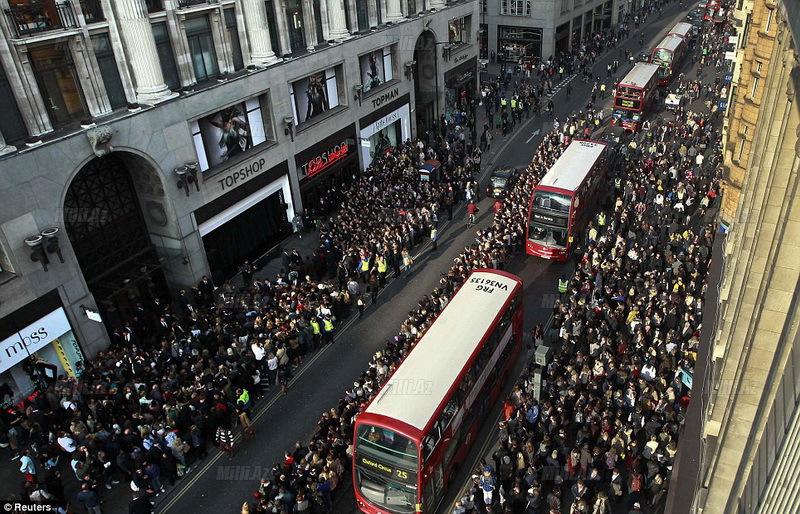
x=137, y=35
x=310, y=25
x=255, y=20
x=337, y=20
x=394, y=12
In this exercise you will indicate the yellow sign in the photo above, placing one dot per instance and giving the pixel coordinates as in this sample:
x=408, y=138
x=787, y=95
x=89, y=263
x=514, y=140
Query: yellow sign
x=62, y=356
x=627, y=103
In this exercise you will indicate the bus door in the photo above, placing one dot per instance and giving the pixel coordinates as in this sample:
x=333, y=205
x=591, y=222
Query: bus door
x=434, y=489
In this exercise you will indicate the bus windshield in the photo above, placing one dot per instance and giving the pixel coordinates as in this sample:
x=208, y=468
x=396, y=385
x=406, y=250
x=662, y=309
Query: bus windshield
x=662, y=57
x=547, y=236
x=551, y=201
x=386, y=465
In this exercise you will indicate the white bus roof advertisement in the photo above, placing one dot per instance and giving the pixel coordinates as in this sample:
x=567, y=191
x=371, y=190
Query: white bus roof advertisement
x=570, y=170
x=415, y=391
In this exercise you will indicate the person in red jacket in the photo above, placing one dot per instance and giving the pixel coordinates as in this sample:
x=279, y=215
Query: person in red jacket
x=472, y=210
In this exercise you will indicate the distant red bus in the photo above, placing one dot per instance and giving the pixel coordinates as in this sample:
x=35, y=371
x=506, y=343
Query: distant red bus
x=681, y=29
x=423, y=421
x=565, y=200
x=669, y=55
x=634, y=95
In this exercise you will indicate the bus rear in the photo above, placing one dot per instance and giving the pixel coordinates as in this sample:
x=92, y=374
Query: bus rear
x=633, y=95
x=667, y=55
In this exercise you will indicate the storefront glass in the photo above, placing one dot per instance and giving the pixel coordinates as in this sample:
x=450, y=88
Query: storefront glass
x=38, y=353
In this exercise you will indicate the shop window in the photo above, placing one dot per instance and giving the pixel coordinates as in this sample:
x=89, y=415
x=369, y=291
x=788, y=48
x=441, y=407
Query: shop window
x=201, y=48
x=315, y=95
x=232, y=131
x=58, y=83
x=11, y=124
x=376, y=68
x=165, y=55
x=108, y=70
x=516, y=7
x=233, y=34
x=459, y=30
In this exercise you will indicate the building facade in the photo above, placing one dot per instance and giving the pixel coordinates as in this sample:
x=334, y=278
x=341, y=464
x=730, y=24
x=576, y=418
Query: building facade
x=745, y=439
x=527, y=30
x=147, y=143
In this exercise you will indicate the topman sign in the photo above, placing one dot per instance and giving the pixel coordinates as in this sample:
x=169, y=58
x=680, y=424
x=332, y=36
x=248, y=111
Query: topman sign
x=385, y=97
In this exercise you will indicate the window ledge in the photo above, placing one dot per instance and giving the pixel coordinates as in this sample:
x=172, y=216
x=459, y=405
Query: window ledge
x=227, y=166
x=319, y=119
x=382, y=87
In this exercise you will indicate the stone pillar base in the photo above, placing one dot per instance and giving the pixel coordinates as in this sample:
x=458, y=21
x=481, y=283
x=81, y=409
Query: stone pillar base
x=155, y=97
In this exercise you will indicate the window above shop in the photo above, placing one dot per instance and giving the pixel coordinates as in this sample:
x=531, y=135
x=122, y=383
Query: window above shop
x=515, y=7
x=460, y=30
x=376, y=69
x=235, y=130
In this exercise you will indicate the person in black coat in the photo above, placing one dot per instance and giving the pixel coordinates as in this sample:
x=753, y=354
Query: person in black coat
x=140, y=504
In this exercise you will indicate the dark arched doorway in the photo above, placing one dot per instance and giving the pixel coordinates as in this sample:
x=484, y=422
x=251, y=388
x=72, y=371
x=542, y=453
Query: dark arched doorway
x=104, y=222
x=426, y=81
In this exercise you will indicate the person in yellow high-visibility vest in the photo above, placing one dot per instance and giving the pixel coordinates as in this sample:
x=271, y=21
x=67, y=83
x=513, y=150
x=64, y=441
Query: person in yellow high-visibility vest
x=562, y=285
x=328, y=329
x=363, y=268
x=316, y=332
x=383, y=267
x=434, y=237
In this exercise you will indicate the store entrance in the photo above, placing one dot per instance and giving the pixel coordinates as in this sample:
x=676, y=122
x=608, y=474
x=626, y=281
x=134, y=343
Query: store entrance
x=105, y=225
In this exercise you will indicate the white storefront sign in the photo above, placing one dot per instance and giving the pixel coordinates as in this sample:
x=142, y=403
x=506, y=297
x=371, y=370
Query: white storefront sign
x=402, y=115
x=32, y=338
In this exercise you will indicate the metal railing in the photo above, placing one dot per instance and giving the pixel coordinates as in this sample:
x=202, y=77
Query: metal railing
x=38, y=16
x=189, y=3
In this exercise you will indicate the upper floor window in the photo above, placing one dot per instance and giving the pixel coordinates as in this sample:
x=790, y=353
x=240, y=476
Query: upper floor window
x=108, y=70
x=770, y=17
x=201, y=48
x=11, y=124
x=58, y=83
x=376, y=68
x=165, y=55
x=232, y=131
x=515, y=7
x=233, y=34
x=459, y=30
x=28, y=17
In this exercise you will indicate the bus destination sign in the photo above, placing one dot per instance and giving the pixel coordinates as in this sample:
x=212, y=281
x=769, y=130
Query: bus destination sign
x=408, y=477
x=551, y=220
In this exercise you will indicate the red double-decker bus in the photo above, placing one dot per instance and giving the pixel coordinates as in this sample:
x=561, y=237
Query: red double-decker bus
x=423, y=420
x=566, y=199
x=669, y=56
x=634, y=95
x=682, y=30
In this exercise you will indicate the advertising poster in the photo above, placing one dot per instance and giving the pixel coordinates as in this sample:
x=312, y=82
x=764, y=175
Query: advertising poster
x=314, y=95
